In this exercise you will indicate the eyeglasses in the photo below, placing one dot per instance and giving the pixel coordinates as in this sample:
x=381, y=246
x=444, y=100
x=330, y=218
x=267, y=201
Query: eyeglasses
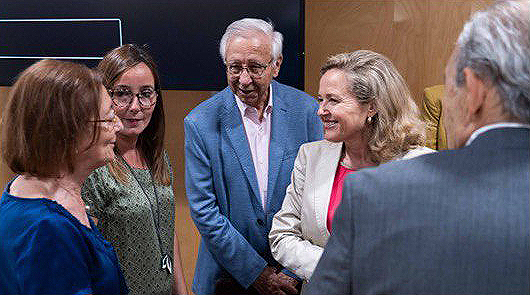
x=123, y=97
x=108, y=123
x=255, y=70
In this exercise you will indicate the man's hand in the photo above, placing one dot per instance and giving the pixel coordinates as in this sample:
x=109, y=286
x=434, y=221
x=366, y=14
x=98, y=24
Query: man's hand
x=268, y=282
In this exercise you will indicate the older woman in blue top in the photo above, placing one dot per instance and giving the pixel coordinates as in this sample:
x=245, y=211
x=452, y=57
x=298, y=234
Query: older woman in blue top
x=58, y=127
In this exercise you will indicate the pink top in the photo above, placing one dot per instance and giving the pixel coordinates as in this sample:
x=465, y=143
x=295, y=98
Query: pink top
x=336, y=193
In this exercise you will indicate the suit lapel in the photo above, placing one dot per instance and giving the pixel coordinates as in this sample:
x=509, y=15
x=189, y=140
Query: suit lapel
x=235, y=129
x=324, y=177
x=278, y=139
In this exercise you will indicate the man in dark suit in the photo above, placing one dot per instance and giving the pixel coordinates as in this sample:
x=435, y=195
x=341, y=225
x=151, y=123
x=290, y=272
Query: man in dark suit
x=240, y=150
x=455, y=222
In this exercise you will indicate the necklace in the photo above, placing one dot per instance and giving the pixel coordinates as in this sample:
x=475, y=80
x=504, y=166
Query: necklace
x=76, y=197
x=165, y=263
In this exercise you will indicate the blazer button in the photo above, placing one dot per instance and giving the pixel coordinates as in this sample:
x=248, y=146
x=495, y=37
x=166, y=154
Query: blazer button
x=260, y=222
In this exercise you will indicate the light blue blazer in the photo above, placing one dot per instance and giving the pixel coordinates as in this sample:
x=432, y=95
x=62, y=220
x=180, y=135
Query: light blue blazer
x=222, y=186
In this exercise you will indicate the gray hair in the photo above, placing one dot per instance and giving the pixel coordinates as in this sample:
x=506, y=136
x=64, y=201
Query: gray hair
x=248, y=26
x=495, y=44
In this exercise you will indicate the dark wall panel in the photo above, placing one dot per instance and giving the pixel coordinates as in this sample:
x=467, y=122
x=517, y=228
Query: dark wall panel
x=183, y=35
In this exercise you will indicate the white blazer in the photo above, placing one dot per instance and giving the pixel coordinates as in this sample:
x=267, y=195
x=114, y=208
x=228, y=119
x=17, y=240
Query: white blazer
x=299, y=232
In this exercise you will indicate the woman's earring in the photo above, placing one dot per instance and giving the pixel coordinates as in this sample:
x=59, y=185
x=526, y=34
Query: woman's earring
x=369, y=120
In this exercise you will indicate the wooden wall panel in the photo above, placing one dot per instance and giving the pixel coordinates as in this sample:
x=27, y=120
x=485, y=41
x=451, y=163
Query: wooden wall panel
x=417, y=35
x=5, y=173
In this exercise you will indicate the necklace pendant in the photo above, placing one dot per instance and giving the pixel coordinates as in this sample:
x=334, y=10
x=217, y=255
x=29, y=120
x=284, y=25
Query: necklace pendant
x=167, y=265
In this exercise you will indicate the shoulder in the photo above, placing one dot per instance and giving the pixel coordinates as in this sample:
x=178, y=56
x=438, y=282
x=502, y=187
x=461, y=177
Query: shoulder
x=293, y=96
x=209, y=108
x=418, y=151
x=320, y=147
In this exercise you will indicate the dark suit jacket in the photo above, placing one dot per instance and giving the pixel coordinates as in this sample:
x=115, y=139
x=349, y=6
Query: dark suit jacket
x=222, y=186
x=454, y=222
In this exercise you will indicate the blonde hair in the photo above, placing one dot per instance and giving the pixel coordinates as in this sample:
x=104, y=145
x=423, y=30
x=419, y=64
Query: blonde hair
x=396, y=127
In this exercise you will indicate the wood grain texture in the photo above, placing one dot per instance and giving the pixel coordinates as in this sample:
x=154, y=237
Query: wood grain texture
x=417, y=35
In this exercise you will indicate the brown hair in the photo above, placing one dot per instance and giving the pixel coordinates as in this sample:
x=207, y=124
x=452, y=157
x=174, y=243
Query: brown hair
x=151, y=140
x=46, y=114
x=397, y=127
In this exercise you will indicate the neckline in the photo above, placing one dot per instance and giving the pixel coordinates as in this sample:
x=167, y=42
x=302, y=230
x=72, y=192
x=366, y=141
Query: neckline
x=54, y=205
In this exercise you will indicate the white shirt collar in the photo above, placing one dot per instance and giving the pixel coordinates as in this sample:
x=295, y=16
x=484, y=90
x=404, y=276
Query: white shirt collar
x=495, y=126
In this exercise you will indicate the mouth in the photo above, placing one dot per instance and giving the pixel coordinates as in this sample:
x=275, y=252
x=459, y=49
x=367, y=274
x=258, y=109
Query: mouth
x=328, y=124
x=246, y=91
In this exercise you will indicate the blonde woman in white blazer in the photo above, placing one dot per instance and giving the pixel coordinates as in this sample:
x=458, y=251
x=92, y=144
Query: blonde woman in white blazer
x=369, y=118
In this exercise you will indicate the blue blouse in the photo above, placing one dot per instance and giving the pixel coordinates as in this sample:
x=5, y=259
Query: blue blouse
x=46, y=250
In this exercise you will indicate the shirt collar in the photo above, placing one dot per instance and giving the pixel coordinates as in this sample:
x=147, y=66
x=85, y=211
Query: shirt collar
x=243, y=107
x=486, y=128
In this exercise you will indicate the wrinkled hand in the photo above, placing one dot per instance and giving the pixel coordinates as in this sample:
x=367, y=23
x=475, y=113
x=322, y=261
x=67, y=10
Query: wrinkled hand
x=268, y=282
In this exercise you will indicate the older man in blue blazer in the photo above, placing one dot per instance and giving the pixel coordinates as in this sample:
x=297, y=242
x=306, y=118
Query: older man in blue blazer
x=240, y=148
x=454, y=222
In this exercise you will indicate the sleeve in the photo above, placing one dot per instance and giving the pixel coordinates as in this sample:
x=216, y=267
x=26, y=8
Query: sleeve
x=92, y=196
x=55, y=260
x=333, y=272
x=288, y=245
x=228, y=247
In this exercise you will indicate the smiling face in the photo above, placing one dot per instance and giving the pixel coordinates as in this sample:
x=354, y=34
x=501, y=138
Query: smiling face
x=254, y=50
x=134, y=117
x=342, y=115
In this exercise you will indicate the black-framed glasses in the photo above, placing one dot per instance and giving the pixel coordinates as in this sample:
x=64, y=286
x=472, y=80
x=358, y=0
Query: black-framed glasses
x=123, y=97
x=254, y=69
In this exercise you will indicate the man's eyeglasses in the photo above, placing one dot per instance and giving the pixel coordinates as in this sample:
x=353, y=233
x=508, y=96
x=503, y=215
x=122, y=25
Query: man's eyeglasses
x=108, y=123
x=255, y=70
x=122, y=97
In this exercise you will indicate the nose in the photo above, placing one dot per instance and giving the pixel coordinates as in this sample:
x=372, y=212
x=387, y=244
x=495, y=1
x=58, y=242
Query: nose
x=322, y=110
x=244, y=77
x=135, y=104
x=118, y=125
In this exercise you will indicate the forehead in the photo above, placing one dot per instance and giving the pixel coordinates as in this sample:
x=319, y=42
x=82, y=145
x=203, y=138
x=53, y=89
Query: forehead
x=105, y=103
x=139, y=74
x=450, y=68
x=333, y=80
x=251, y=47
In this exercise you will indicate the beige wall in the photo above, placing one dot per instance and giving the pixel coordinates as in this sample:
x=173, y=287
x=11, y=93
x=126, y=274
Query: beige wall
x=418, y=35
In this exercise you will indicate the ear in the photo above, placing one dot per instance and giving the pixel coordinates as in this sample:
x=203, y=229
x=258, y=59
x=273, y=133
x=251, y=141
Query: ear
x=371, y=109
x=477, y=91
x=276, y=66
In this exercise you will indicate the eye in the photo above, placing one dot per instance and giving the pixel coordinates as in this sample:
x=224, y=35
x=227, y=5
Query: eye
x=319, y=99
x=146, y=93
x=235, y=68
x=121, y=92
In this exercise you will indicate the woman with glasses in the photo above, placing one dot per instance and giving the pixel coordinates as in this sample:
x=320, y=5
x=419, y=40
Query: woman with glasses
x=57, y=127
x=132, y=197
